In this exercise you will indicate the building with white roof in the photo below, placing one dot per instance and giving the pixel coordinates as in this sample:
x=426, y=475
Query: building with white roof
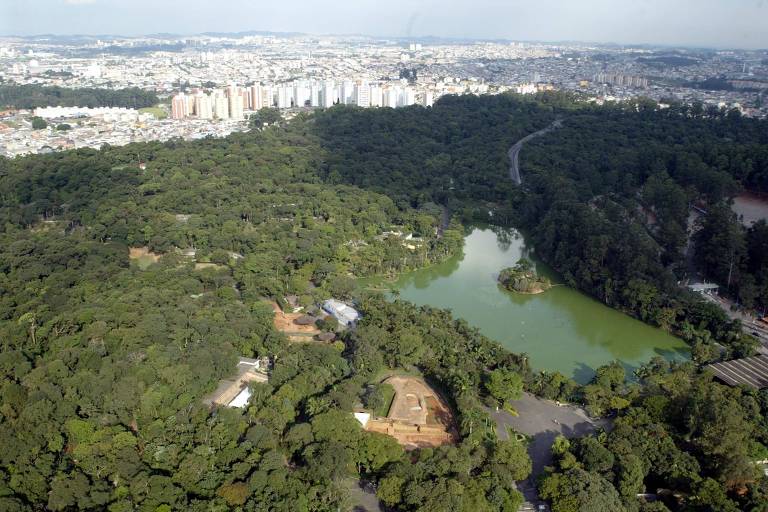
x=345, y=314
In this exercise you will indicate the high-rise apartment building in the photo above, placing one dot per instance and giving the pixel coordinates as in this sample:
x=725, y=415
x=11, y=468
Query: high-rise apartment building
x=347, y=93
x=408, y=97
x=203, y=106
x=391, y=95
x=235, y=102
x=314, y=94
x=377, y=96
x=301, y=94
x=329, y=96
x=257, y=99
x=284, y=97
x=179, y=106
x=220, y=105
x=268, y=96
x=362, y=94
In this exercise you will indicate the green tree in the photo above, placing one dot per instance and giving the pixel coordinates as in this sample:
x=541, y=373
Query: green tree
x=265, y=116
x=38, y=123
x=504, y=385
x=578, y=490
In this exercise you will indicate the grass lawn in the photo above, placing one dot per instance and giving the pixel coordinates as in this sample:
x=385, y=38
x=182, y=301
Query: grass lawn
x=155, y=111
x=389, y=394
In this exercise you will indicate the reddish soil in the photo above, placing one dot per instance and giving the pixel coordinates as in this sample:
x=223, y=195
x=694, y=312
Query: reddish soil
x=284, y=322
x=418, y=417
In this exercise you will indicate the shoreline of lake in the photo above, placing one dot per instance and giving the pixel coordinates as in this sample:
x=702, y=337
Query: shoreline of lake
x=562, y=330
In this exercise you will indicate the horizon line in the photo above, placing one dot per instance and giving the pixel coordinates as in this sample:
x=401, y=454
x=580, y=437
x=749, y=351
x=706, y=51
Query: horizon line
x=242, y=33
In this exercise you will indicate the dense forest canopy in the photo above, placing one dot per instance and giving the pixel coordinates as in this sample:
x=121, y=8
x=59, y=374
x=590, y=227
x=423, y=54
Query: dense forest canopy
x=687, y=440
x=588, y=190
x=31, y=96
x=104, y=362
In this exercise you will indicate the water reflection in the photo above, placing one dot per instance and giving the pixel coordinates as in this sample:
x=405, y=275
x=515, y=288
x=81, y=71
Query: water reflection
x=561, y=329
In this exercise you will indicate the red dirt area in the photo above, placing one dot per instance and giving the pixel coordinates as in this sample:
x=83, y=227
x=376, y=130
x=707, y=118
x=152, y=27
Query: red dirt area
x=417, y=418
x=284, y=322
x=135, y=253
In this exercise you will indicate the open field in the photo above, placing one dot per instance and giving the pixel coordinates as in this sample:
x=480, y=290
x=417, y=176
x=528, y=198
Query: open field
x=284, y=322
x=143, y=257
x=417, y=418
x=158, y=112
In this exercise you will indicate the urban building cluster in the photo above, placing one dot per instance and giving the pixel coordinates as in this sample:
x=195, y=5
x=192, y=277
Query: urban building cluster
x=76, y=127
x=209, y=84
x=104, y=113
x=232, y=102
x=621, y=79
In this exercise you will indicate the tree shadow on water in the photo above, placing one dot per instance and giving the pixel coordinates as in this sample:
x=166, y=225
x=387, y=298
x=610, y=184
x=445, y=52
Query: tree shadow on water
x=583, y=373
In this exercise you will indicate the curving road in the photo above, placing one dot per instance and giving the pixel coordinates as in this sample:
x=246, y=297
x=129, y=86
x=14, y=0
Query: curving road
x=514, y=151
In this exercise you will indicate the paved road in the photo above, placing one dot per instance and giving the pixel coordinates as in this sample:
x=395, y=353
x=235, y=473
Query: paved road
x=748, y=322
x=514, y=151
x=543, y=420
x=362, y=497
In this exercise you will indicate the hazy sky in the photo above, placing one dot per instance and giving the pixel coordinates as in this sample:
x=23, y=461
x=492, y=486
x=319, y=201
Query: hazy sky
x=729, y=23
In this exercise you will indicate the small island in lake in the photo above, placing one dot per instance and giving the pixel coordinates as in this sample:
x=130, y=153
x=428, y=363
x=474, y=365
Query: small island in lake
x=522, y=278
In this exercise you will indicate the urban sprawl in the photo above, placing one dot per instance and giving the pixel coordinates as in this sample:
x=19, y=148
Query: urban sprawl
x=211, y=85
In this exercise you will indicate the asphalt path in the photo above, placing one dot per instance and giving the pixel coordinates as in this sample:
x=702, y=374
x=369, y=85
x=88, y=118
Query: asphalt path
x=362, y=496
x=543, y=421
x=514, y=151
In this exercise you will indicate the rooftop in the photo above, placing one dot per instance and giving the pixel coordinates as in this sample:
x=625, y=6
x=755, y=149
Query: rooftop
x=750, y=371
x=345, y=314
x=234, y=392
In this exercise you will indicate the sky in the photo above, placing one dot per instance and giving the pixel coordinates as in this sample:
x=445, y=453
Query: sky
x=701, y=23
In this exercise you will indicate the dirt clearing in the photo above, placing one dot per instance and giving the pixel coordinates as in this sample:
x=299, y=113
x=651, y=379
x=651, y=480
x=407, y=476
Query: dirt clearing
x=143, y=256
x=418, y=417
x=285, y=323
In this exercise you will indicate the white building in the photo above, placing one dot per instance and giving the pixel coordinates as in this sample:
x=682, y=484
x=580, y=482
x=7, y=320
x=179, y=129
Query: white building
x=362, y=94
x=391, y=95
x=301, y=94
x=408, y=97
x=92, y=71
x=377, y=96
x=329, y=94
x=314, y=94
x=203, y=106
x=347, y=93
x=220, y=105
x=346, y=315
x=235, y=100
x=284, y=97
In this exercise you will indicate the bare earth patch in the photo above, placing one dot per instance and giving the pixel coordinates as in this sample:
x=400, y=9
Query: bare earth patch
x=143, y=256
x=285, y=323
x=417, y=418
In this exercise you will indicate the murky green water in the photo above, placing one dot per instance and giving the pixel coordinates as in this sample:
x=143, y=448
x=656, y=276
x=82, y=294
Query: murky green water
x=560, y=329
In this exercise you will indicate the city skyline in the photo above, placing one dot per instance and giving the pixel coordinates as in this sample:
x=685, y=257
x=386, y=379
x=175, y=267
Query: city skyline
x=686, y=23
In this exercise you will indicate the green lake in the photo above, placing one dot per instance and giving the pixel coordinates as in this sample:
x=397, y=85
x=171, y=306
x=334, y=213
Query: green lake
x=561, y=329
